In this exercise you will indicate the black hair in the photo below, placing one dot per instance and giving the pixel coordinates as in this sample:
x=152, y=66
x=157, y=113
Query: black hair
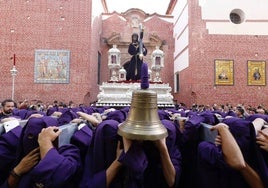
x=241, y=110
x=6, y=101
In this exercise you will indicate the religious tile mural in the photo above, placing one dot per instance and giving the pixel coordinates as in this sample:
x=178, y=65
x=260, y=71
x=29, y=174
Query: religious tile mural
x=52, y=66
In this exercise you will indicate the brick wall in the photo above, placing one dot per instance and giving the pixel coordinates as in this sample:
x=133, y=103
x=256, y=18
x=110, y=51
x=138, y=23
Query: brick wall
x=53, y=25
x=197, y=81
x=69, y=25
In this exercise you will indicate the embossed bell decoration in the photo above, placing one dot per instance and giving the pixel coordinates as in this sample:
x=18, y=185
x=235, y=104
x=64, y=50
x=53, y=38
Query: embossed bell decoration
x=143, y=122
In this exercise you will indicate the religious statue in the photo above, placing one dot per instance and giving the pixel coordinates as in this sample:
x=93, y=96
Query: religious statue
x=137, y=50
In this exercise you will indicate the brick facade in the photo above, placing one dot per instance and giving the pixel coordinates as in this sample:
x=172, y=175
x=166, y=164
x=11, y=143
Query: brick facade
x=197, y=81
x=69, y=25
x=52, y=25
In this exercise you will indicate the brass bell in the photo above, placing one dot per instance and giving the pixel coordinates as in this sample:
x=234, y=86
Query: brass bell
x=143, y=122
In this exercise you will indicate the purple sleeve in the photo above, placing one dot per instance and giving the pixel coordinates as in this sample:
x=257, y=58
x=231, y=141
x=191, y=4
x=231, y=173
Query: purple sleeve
x=99, y=180
x=90, y=180
x=191, y=131
x=4, y=185
x=210, y=154
x=8, y=146
x=83, y=136
x=58, y=166
x=82, y=139
x=135, y=158
x=176, y=160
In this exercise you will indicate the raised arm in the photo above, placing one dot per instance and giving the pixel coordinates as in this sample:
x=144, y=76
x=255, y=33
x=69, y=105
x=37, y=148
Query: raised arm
x=234, y=158
x=167, y=165
x=114, y=168
x=231, y=151
x=24, y=166
x=46, y=138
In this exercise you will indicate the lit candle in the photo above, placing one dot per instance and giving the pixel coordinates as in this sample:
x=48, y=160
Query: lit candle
x=144, y=76
x=14, y=60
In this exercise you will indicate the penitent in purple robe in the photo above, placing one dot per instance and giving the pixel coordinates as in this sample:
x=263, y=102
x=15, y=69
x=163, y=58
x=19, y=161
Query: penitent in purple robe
x=241, y=131
x=258, y=156
x=188, y=141
x=252, y=117
x=212, y=169
x=135, y=162
x=82, y=139
x=59, y=168
x=100, y=156
x=8, y=146
x=144, y=168
x=154, y=173
x=118, y=115
x=260, y=163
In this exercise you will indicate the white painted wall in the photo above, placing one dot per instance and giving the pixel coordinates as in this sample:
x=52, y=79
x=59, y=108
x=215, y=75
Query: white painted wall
x=181, y=22
x=179, y=8
x=216, y=14
x=182, y=61
x=181, y=36
x=182, y=42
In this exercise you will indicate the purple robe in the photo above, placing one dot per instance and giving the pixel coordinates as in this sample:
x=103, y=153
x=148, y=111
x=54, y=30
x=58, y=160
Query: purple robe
x=254, y=116
x=30, y=112
x=145, y=168
x=187, y=142
x=57, y=169
x=163, y=114
x=67, y=116
x=51, y=110
x=260, y=163
x=61, y=167
x=209, y=118
x=22, y=113
x=82, y=139
x=8, y=146
x=223, y=114
x=230, y=113
x=175, y=156
x=212, y=168
x=25, y=114
x=100, y=156
x=213, y=171
x=117, y=115
x=258, y=158
x=241, y=131
x=79, y=109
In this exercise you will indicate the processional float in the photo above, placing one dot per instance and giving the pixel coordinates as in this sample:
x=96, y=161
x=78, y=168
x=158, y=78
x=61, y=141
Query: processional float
x=143, y=122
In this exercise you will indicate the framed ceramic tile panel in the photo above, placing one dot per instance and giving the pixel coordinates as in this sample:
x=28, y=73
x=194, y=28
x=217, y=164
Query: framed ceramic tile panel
x=52, y=66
